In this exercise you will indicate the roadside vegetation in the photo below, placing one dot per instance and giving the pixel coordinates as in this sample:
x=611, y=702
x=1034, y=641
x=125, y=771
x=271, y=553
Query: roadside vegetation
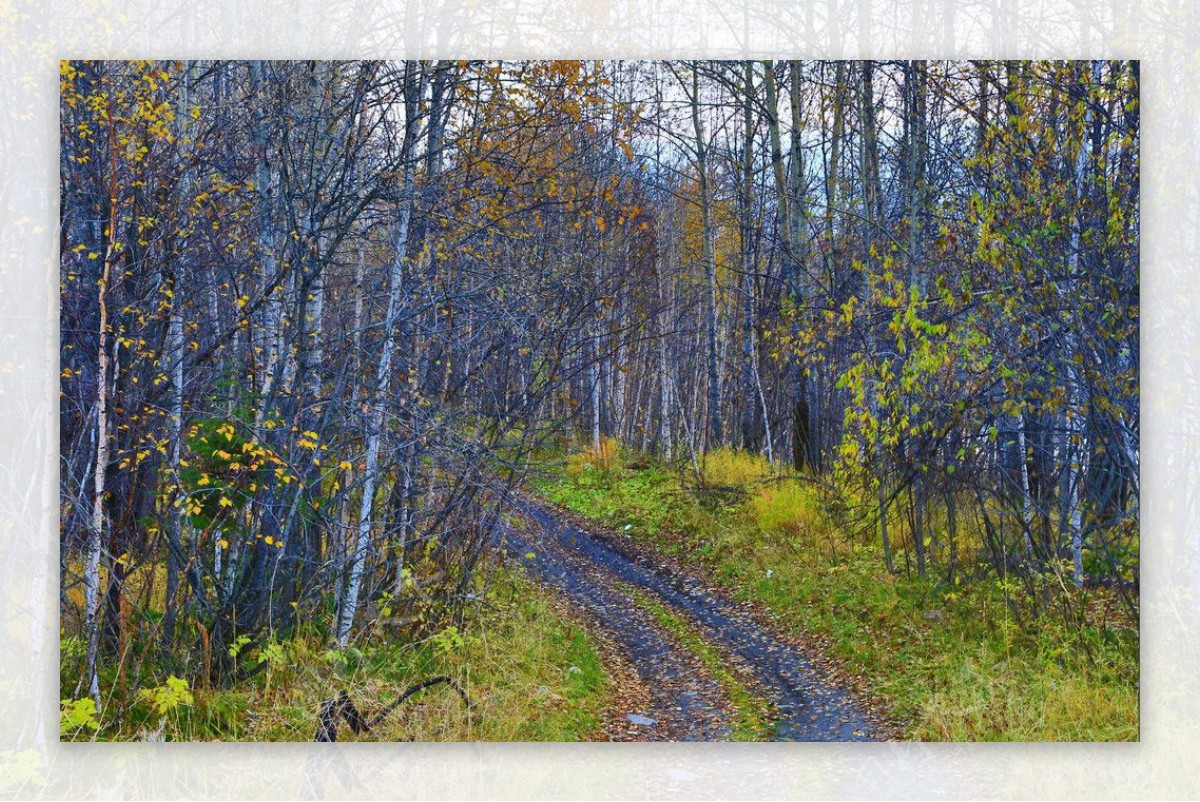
x=529, y=667
x=976, y=657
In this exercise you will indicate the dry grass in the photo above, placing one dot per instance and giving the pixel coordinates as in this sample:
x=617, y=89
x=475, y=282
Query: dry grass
x=730, y=468
x=590, y=458
x=529, y=667
x=788, y=509
x=984, y=699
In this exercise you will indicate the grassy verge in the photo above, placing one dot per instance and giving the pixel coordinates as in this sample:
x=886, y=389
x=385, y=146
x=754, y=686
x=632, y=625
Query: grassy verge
x=752, y=714
x=530, y=669
x=949, y=658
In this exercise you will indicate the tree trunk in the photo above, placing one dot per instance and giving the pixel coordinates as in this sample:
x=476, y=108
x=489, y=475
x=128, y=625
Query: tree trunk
x=173, y=355
x=869, y=155
x=383, y=374
x=1076, y=398
x=750, y=431
x=715, y=428
x=91, y=577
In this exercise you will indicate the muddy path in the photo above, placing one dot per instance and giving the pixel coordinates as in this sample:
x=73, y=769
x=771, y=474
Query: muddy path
x=688, y=704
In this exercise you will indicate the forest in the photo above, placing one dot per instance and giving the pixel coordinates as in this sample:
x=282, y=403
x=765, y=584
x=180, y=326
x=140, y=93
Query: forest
x=375, y=372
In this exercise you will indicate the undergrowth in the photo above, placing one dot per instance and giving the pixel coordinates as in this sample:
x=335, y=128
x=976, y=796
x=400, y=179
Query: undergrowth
x=950, y=657
x=531, y=671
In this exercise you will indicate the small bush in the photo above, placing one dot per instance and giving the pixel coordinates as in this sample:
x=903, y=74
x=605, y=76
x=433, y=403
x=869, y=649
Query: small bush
x=75, y=715
x=167, y=697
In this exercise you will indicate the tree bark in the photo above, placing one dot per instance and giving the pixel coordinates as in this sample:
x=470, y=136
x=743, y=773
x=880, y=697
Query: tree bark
x=383, y=375
x=708, y=259
x=869, y=168
x=173, y=356
x=91, y=579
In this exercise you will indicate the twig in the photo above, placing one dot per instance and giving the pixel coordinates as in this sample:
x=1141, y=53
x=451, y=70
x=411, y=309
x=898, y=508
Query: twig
x=334, y=710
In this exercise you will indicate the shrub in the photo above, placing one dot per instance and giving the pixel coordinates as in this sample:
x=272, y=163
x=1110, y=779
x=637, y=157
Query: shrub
x=77, y=714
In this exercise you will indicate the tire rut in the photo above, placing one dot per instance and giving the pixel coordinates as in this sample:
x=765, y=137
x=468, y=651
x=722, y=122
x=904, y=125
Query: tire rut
x=687, y=703
x=584, y=565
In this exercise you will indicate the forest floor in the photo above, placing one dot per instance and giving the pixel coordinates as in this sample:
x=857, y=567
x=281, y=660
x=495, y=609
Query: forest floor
x=710, y=668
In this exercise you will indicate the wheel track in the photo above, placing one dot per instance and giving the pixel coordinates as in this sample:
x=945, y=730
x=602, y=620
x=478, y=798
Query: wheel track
x=590, y=569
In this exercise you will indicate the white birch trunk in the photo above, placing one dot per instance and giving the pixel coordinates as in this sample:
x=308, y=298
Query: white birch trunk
x=382, y=379
x=91, y=576
x=396, y=289
x=173, y=367
x=1076, y=451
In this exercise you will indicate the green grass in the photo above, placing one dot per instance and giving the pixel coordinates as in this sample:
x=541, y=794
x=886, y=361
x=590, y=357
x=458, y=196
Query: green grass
x=531, y=670
x=752, y=714
x=948, y=658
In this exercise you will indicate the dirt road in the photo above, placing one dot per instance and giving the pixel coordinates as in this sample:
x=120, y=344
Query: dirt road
x=605, y=577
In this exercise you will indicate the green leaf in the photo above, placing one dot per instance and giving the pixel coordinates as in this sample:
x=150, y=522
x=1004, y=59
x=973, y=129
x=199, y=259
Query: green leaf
x=76, y=714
